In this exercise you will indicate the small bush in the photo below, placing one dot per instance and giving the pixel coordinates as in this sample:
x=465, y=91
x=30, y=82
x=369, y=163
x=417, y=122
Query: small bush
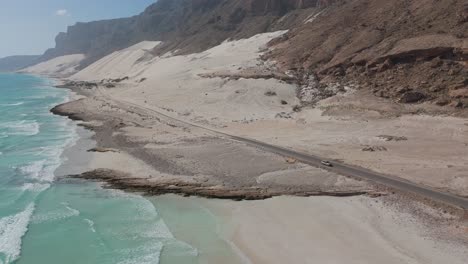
x=270, y=93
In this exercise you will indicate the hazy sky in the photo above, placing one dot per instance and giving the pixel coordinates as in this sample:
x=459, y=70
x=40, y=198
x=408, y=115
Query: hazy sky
x=30, y=26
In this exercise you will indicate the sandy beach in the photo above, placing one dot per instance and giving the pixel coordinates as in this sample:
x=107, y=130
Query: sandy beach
x=228, y=88
x=333, y=230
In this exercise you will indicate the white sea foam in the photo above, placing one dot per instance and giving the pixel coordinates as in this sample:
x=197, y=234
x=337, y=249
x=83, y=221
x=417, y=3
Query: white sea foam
x=33, y=169
x=38, y=174
x=12, y=230
x=12, y=104
x=152, y=228
x=43, y=170
x=56, y=215
x=22, y=128
x=159, y=230
x=149, y=254
x=35, y=187
x=90, y=224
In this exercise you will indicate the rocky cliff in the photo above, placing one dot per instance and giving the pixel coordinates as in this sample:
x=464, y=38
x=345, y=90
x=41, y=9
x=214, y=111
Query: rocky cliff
x=407, y=50
x=183, y=25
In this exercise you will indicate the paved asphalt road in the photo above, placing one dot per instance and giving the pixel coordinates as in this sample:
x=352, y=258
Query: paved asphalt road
x=338, y=167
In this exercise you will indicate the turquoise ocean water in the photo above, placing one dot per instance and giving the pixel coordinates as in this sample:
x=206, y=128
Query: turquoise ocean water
x=44, y=221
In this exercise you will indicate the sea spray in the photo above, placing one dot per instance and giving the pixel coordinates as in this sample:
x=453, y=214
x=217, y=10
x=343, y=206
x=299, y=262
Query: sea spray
x=31, y=142
x=12, y=230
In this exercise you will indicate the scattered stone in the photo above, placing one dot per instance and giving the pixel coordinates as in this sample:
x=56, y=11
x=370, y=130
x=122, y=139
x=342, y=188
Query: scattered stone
x=297, y=108
x=392, y=138
x=436, y=62
x=374, y=148
x=412, y=97
x=284, y=115
x=291, y=160
x=79, y=84
x=119, y=79
x=385, y=66
x=283, y=102
x=102, y=150
x=301, y=121
x=436, y=88
x=403, y=90
x=442, y=102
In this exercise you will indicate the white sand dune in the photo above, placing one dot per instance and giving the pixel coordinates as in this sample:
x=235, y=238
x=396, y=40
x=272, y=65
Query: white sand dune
x=175, y=82
x=120, y=63
x=62, y=66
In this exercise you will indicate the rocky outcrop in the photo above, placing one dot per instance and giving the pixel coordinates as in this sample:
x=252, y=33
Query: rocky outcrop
x=412, y=97
x=397, y=49
x=147, y=186
x=63, y=110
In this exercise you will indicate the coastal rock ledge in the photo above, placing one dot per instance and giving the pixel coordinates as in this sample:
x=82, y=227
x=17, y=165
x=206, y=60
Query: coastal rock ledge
x=147, y=186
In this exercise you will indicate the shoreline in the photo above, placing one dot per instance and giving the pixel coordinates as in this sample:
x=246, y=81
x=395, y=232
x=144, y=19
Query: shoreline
x=164, y=176
x=140, y=175
x=83, y=156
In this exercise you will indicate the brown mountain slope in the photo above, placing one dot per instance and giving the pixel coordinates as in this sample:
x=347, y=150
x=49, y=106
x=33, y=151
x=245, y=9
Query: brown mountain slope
x=184, y=25
x=407, y=50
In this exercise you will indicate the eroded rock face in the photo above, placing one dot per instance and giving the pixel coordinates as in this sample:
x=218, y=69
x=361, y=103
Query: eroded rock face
x=277, y=6
x=185, y=25
x=382, y=46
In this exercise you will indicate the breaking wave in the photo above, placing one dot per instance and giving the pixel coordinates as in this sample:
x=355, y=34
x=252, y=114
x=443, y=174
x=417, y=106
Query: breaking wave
x=12, y=104
x=12, y=230
x=20, y=128
x=56, y=215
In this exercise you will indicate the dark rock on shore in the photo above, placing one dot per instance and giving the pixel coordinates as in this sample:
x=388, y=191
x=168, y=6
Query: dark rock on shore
x=62, y=110
x=122, y=181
